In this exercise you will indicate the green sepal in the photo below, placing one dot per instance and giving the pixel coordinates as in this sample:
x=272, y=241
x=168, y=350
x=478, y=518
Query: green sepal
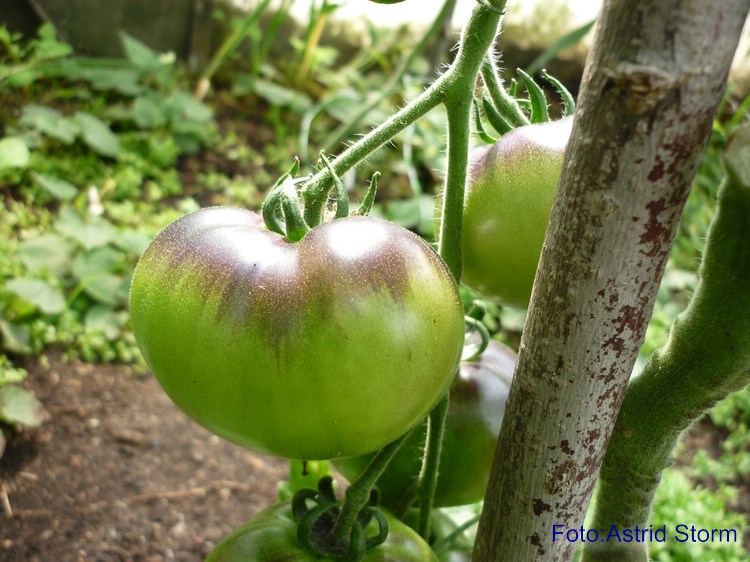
x=539, y=109
x=366, y=206
x=496, y=120
x=342, y=197
x=569, y=103
x=479, y=126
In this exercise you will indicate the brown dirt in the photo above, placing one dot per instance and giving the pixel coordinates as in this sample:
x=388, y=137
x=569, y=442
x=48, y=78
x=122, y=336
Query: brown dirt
x=120, y=474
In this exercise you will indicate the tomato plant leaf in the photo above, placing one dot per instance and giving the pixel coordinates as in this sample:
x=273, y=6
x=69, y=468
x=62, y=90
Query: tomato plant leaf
x=108, y=289
x=95, y=262
x=142, y=56
x=132, y=241
x=106, y=320
x=148, y=113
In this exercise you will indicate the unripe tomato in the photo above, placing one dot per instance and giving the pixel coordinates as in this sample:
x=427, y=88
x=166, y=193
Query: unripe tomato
x=475, y=412
x=331, y=346
x=509, y=197
x=271, y=536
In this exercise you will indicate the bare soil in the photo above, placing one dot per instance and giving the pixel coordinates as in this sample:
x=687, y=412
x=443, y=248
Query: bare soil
x=120, y=474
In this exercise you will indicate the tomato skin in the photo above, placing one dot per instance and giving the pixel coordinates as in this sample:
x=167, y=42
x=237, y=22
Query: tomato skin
x=509, y=197
x=271, y=536
x=331, y=346
x=475, y=412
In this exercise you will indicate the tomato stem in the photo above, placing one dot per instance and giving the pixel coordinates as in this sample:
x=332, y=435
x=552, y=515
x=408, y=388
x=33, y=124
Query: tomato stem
x=457, y=83
x=427, y=483
x=358, y=492
x=506, y=104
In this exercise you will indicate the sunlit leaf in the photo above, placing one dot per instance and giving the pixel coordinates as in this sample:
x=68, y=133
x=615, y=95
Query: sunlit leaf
x=47, y=298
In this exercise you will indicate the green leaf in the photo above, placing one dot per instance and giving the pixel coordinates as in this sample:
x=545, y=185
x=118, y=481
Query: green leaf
x=186, y=107
x=60, y=189
x=416, y=212
x=50, y=122
x=281, y=96
x=20, y=407
x=106, y=320
x=97, y=135
x=16, y=337
x=122, y=80
x=93, y=233
x=96, y=262
x=46, y=252
x=141, y=55
x=108, y=289
x=48, y=47
x=13, y=153
x=47, y=298
x=22, y=77
x=148, y=113
x=132, y=241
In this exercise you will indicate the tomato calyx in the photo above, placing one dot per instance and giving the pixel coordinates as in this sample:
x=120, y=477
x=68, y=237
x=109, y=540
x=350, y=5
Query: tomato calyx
x=282, y=210
x=318, y=525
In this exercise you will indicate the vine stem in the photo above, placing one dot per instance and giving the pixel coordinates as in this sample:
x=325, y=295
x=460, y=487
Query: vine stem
x=358, y=492
x=458, y=80
x=346, y=129
x=427, y=482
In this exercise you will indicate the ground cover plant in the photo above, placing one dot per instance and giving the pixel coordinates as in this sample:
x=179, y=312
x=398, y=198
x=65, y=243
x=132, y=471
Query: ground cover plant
x=75, y=293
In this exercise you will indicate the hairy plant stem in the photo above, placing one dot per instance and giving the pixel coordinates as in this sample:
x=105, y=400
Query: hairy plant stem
x=706, y=357
x=358, y=492
x=505, y=103
x=458, y=79
x=345, y=130
x=427, y=482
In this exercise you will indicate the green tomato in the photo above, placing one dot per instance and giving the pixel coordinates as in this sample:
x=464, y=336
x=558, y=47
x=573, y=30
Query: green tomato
x=271, y=536
x=475, y=412
x=509, y=197
x=331, y=346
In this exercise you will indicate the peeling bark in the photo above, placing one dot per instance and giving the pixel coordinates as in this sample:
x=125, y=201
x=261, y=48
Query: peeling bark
x=652, y=83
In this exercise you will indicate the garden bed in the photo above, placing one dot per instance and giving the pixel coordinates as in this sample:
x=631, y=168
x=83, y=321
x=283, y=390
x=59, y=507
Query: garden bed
x=120, y=474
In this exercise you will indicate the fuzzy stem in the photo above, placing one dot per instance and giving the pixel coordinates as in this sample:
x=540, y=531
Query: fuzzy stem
x=346, y=129
x=358, y=492
x=454, y=84
x=706, y=357
x=427, y=483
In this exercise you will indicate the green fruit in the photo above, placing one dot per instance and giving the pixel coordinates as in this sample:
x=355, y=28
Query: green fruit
x=509, y=197
x=331, y=346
